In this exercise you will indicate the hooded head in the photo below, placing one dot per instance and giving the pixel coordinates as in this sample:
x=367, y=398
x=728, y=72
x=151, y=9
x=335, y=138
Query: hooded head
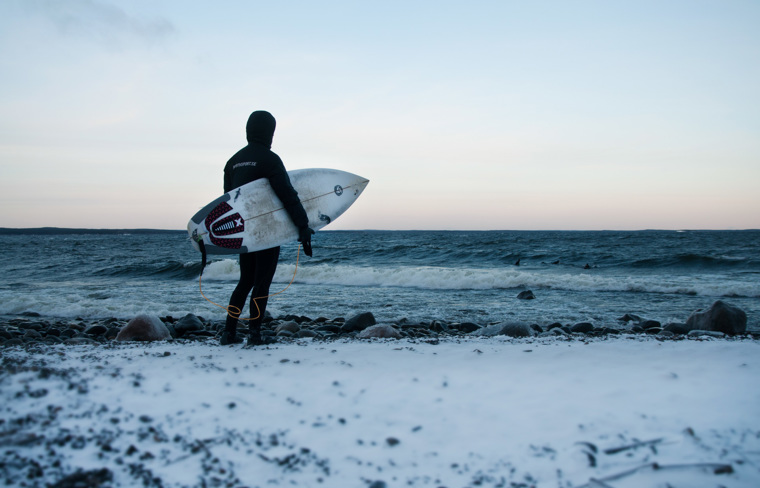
x=260, y=128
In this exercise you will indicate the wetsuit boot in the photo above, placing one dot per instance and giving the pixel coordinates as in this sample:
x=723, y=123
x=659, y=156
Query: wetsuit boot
x=229, y=336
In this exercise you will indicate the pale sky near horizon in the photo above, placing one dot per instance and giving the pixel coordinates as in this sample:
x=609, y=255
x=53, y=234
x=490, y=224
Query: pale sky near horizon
x=464, y=115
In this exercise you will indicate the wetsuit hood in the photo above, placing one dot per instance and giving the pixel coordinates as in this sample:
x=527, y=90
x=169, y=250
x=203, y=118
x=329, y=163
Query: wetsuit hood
x=260, y=128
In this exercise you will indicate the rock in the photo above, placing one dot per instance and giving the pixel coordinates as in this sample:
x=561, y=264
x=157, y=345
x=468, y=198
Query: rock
x=332, y=329
x=144, y=328
x=358, y=322
x=516, y=329
x=630, y=317
x=582, y=327
x=467, y=327
x=489, y=330
x=95, y=477
x=96, y=330
x=31, y=334
x=308, y=333
x=438, y=326
x=526, y=295
x=706, y=333
x=13, y=342
x=291, y=327
x=188, y=323
x=379, y=331
x=650, y=324
x=676, y=328
x=720, y=317
x=67, y=333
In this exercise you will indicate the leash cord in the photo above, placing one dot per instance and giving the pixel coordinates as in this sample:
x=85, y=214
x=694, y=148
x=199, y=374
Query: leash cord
x=234, y=311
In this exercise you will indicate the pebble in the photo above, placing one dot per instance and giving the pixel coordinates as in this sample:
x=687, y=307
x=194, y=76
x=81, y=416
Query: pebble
x=30, y=329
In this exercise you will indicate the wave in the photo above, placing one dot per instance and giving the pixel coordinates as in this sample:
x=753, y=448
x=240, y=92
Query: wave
x=440, y=278
x=170, y=269
x=691, y=260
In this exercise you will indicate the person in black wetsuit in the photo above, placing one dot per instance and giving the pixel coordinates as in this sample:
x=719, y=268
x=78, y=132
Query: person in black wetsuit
x=254, y=161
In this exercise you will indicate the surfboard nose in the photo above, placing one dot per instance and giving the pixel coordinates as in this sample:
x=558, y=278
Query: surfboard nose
x=360, y=186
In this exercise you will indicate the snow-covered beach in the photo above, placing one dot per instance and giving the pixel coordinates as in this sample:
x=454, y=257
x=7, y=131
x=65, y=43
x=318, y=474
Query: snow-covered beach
x=619, y=411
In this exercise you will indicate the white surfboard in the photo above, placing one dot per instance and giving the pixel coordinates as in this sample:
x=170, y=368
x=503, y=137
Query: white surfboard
x=251, y=218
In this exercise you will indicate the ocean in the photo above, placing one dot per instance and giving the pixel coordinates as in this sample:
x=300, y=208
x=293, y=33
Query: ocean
x=455, y=276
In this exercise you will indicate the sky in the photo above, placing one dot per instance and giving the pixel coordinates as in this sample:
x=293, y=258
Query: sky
x=463, y=115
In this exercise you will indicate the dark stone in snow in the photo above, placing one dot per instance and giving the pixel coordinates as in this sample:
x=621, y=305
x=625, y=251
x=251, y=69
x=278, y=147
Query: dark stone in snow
x=517, y=330
x=96, y=330
x=95, y=477
x=358, y=322
x=379, y=331
x=583, y=327
x=676, y=328
x=188, y=323
x=650, y=324
x=144, y=328
x=720, y=317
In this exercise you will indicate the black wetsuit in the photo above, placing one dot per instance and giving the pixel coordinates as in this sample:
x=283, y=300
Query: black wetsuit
x=253, y=162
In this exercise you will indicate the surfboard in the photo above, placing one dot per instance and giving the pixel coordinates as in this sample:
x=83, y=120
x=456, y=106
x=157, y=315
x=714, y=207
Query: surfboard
x=251, y=218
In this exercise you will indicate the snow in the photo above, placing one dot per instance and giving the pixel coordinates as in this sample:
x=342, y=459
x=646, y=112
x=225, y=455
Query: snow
x=456, y=413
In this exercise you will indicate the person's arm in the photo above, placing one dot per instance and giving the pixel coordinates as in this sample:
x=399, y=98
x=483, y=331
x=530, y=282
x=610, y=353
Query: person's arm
x=283, y=188
x=227, y=179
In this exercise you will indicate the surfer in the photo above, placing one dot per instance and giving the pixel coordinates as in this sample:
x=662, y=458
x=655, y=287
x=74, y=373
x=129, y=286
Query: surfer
x=255, y=161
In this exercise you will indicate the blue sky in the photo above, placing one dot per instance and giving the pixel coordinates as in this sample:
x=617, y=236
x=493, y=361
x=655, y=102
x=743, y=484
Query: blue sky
x=464, y=115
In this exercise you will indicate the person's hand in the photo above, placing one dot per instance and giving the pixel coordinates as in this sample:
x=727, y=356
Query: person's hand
x=304, y=237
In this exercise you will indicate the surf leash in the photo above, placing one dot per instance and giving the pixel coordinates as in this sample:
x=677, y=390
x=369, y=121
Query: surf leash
x=232, y=310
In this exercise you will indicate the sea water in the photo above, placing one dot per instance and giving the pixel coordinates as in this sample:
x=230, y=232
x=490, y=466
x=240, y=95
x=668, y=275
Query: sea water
x=419, y=275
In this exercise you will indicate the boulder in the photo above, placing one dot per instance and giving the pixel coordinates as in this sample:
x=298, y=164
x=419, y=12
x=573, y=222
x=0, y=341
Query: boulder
x=144, y=328
x=188, y=323
x=675, y=328
x=720, y=317
x=358, y=322
x=467, y=327
x=379, y=331
x=629, y=317
x=582, y=327
x=650, y=324
x=557, y=331
x=291, y=327
x=96, y=329
x=516, y=329
x=438, y=326
x=526, y=295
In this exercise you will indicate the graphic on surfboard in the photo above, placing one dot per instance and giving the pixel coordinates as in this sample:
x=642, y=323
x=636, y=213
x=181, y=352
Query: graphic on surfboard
x=251, y=218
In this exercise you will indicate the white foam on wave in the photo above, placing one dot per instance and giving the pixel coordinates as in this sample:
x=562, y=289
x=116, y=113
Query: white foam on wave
x=223, y=270
x=440, y=278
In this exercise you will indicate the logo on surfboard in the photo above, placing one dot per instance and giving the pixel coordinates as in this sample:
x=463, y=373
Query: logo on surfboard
x=232, y=224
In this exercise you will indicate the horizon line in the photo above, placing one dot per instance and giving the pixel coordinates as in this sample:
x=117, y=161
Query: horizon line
x=74, y=230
